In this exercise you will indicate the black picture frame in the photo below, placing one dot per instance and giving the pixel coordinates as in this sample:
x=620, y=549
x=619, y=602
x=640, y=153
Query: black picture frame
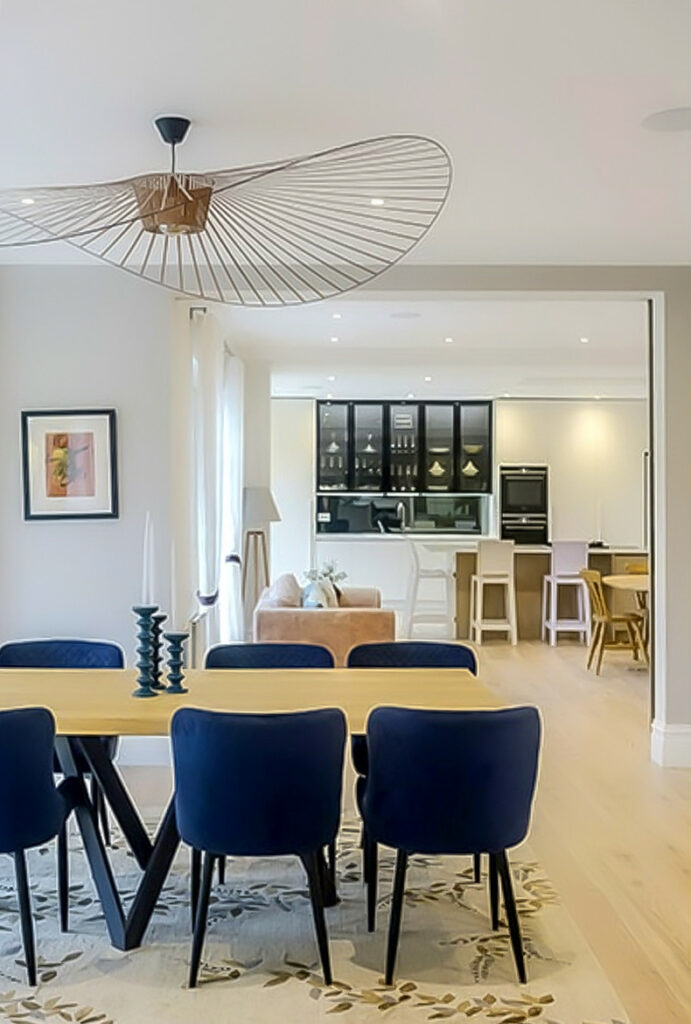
x=101, y=475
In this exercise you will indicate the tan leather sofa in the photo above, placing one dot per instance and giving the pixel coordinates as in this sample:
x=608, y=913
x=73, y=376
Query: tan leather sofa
x=358, y=619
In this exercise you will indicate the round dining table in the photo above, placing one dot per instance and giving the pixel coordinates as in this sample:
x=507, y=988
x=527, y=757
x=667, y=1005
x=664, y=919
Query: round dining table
x=635, y=583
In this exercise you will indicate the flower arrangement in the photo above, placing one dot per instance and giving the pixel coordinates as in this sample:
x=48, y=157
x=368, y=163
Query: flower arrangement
x=328, y=573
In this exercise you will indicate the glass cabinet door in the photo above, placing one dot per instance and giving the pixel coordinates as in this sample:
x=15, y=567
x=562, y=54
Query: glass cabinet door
x=404, y=447
x=368, y=449
x=332, y=445
x=475, y=455
x=438, y=473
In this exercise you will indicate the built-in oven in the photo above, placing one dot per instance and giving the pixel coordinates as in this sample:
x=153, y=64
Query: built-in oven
x=523, y=490
x=524, y=500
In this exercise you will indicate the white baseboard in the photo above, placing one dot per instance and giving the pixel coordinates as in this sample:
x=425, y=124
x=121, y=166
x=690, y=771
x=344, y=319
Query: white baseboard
x=670, y=745
x=144, y=750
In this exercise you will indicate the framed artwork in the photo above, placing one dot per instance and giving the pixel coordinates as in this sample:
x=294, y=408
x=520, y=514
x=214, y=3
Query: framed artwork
x=69, y=464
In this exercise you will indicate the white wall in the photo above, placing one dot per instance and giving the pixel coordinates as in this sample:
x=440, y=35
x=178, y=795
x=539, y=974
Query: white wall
x=594, y=452
x=292, y=482
x=83, y=337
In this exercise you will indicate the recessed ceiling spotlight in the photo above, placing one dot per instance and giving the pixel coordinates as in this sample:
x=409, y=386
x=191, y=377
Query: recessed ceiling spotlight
x=448, y=341
x=27, y=201
x=331, y=378
x=334, y=337
x=376, y=202
x=410, y=395
x=428, y=379
x=676, y=119
x=335, y=316
x=506, y=394
x=597, y=397
x=584, y=341
x=329, y=395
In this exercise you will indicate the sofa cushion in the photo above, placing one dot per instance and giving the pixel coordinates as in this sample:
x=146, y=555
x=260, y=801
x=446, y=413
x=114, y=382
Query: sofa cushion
x=284, y=592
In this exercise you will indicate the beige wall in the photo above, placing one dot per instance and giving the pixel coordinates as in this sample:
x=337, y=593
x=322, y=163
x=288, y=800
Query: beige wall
x=594, y=452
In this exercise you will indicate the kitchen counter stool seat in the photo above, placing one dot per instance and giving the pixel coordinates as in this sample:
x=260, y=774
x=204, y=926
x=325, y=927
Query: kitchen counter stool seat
x=568, y=558
x=495, y=567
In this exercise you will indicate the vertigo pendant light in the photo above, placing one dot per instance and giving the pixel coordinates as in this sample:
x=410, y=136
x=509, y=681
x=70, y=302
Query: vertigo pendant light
x=274, y=234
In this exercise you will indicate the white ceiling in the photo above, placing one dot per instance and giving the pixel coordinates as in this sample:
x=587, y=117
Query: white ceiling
x=540, y=104
x=387, y=346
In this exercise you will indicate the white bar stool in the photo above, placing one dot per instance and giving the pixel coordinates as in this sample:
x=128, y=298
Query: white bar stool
x=431, y=566
x=495, y=567
x=568, y=558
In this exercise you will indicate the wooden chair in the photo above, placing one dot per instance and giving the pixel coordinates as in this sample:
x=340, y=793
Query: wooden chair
x=605, y=624
x=641, y=569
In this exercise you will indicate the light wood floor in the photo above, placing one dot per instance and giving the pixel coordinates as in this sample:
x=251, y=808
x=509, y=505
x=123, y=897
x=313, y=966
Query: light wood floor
x=612, y=829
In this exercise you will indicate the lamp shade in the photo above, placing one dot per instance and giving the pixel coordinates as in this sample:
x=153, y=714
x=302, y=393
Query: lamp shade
x=258, y=507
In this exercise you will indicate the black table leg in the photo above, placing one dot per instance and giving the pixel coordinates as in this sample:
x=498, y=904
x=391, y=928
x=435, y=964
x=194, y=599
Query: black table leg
x=125, y=930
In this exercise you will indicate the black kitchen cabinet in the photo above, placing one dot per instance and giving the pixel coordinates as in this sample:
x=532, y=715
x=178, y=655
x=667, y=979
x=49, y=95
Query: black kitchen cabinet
x=404, y=447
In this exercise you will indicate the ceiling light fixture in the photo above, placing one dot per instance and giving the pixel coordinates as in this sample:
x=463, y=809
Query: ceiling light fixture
x=428, y=379
x=376, y=202
x=28, y=201
x=329, y=395
x=331, y=379
x=274, y=234
x=410, y=394
x=584, y=341
x=336, y=316
x=334, y=338
x=449, y=341
x=507, y=395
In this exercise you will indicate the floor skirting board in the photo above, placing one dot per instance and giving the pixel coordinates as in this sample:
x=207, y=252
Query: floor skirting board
x=670, y=745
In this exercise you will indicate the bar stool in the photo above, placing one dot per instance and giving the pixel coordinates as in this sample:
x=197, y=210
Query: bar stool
x=568, y=558
x=495, y=567
x=430, y=569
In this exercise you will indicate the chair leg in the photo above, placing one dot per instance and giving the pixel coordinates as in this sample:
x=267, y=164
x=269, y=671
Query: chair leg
x=63, y=879
x=25, y=915
x=601, y=648
x=479, y=611
x=200, y=920
x=221, y=870
x=641, y=644
x=513, y=619
x=493, y=891
x=371, y=860
x=195, y=881
x=477, y=868
x=553, y=612
x=511, y=914
x=396, y=912
x=332, y=862
x=313, y=869
x=594, y=643
x=543, y=630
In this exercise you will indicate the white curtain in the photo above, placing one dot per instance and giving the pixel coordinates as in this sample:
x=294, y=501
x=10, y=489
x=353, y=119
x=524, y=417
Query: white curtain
x=208, y=359
x=230, y=601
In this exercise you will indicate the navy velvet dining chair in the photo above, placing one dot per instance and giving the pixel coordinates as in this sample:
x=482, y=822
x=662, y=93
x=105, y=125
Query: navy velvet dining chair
x=33, y=809
x=271, y=655
x=79, y=654
x=267, y=656
x=449, y=782
x=406, y=654
x=258, y=785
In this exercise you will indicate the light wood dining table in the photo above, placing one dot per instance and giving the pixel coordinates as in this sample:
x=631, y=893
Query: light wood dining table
x=633, y=582
x=89, y=703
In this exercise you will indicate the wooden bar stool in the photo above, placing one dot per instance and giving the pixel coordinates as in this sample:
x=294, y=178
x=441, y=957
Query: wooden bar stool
x=568, y=558
x=495, y=567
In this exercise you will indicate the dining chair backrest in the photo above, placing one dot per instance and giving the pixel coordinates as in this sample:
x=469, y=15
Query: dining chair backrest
x=31, y=809
x=258, y=785
x=495, y=558
x=569, y=557
x=269, y=655
x=636, y=568
x=412, y=654
x=596, y=593
x=59, y=653
x=451, y=781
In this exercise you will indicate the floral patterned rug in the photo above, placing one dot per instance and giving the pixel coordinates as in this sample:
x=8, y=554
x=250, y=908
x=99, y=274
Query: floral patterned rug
x=260, y=961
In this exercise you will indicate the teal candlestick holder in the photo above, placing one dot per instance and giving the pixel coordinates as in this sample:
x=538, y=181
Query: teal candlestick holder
x=145, y=613
x=157, y=652
x=175, y=643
